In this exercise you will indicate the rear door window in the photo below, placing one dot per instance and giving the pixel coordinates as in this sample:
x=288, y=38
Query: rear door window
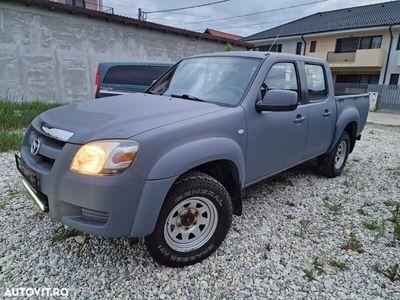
x=134, y=75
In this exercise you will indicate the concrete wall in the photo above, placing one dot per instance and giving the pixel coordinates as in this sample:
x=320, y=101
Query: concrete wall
x=52, y=55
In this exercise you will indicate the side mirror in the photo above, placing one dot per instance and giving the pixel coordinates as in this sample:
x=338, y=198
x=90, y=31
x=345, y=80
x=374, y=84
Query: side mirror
x=278, y=100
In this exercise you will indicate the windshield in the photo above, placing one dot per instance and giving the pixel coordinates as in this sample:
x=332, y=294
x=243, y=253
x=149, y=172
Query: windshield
x=213, y=79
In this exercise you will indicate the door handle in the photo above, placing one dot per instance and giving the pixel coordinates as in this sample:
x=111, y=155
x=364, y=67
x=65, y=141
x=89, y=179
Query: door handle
x=299, y=119
x=327, y=113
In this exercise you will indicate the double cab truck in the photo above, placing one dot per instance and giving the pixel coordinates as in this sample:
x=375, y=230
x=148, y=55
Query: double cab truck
x=170, y=164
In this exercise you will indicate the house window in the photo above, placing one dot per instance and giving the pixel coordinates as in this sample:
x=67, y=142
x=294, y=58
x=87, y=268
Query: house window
x=398, y=43
x=371, y=42
x=271, y=48
x=347, y=45
x=313, y=46
x=78, y=3
x=394, y=79
x=298, y=48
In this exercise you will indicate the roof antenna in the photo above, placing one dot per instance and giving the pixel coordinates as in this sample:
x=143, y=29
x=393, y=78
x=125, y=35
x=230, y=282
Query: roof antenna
x=273, y=43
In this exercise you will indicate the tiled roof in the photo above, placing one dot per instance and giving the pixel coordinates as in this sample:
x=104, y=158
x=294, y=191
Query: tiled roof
x=373, y=15
x=222, y=34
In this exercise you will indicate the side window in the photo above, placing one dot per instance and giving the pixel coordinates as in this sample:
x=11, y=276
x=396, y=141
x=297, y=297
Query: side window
x=313, y=46
x=315, y=83
x=281, y=76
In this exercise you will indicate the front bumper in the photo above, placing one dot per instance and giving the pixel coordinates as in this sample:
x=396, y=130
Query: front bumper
x=109, y=206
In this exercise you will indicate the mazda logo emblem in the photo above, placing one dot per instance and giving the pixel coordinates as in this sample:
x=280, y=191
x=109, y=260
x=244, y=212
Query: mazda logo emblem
x=35, y=147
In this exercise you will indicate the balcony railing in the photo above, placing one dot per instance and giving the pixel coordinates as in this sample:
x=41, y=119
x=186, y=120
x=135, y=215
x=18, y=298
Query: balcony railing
x=334, y=57
x=361, y=58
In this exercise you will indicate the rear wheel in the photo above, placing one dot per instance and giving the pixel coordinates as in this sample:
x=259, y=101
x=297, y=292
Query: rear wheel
x=193, y=222
x=332, y=163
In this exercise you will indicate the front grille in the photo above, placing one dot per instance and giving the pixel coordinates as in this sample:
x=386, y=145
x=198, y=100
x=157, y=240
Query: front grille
x=94, y=215
x=48, y=151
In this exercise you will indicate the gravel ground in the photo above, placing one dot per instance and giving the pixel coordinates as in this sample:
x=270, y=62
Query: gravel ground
x=287, y=245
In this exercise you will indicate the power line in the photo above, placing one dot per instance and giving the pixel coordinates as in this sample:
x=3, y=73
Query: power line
x=187, y=7
x=181, y=14
x=255, y=13
x=257, y=24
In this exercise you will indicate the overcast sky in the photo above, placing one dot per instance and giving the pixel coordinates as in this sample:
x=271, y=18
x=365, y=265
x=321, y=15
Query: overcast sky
x=242, y=26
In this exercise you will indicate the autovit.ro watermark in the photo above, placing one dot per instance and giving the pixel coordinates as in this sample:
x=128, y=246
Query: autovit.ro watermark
x=36, y=292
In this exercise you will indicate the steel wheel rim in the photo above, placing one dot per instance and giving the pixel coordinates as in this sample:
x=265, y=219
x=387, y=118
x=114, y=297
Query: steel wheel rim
x=191, y=224
x=340, y=155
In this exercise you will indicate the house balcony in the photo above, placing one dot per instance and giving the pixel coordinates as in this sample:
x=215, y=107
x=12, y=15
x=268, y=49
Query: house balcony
x=373, y=58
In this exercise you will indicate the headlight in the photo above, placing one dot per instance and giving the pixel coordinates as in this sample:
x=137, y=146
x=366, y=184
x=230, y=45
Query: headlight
x=105, y=157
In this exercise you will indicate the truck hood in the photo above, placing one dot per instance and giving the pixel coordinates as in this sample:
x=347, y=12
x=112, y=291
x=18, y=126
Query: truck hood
x=118, y=117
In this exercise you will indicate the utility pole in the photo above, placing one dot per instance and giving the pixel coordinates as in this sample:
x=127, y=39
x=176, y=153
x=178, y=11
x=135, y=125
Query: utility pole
x=142, y=15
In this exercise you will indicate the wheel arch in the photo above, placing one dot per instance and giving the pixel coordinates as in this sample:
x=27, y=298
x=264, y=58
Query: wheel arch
x=348, y=121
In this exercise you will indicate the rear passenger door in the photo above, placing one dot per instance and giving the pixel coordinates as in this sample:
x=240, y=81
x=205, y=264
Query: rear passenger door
x=321, y=109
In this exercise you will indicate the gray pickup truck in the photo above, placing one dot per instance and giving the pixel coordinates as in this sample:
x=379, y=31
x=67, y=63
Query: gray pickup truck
x=170, y=164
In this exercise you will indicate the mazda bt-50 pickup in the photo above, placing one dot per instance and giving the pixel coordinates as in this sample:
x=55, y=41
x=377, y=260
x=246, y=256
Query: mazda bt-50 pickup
x=170, y=164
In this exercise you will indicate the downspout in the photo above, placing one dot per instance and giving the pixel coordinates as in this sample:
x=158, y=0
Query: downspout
x=388, y=56
x=305, y=44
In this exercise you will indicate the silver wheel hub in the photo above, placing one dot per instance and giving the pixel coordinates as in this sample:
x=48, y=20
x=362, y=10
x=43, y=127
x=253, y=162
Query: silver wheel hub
x=191, y=224
x=340, y=155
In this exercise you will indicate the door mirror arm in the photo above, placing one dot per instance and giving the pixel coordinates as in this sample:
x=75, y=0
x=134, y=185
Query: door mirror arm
x=278, y=100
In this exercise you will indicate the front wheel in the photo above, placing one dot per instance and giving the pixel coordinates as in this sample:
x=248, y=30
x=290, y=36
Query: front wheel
x=332, y=163
x=193, y=222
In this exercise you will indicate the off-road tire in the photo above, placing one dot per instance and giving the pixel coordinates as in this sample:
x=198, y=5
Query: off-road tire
x=326, y=162
x=192, y=184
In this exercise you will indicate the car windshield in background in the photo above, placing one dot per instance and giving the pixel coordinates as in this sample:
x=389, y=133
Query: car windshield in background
x=213, y=79
x=134, y=75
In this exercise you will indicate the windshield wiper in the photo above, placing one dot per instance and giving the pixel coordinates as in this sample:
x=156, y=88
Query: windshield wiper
x=187, y=97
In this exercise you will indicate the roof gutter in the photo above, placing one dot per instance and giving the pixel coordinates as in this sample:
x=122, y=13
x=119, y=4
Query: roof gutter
x=388, y=55
x=305, y=44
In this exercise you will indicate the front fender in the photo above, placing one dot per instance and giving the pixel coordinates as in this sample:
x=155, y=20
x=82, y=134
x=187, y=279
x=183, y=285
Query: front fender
x=349, y=115
x=194, y=153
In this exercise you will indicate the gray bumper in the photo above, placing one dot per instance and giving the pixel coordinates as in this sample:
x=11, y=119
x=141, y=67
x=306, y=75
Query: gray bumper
x=109, y=206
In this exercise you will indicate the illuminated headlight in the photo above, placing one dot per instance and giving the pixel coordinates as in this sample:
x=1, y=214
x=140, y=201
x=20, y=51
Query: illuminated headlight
x=105, y=157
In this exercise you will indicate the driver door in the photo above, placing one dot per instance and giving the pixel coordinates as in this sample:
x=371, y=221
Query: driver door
x=277, y=139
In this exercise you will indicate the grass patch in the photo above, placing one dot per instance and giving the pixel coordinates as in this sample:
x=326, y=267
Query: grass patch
x=390, y=203
x=63, y=234
x=309, y=275
x=374, y=225
x=396, y=214
x=10, y=140
x=353, y=244
x=362, y=212
x=392, y=272
x=2, y=204
x=396, y=232
x=14, y=118
x=338, y=264
x=318, y=266
x=15, y=115
x=335, y=208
